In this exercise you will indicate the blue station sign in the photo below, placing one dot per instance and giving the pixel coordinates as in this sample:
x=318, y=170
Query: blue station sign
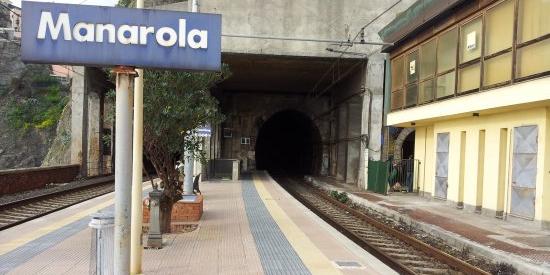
x=107, y=36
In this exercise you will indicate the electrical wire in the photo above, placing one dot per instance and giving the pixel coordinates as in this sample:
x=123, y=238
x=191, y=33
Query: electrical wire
x=344, y=51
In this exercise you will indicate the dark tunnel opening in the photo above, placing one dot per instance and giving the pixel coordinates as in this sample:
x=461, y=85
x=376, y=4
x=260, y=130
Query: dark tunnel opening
x=288, y=142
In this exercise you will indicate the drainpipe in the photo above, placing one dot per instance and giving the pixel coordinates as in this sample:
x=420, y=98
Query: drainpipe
x=387, y=96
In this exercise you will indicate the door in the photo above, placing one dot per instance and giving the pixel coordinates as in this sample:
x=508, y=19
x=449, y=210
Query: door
x=442, y=165
x=524, y=171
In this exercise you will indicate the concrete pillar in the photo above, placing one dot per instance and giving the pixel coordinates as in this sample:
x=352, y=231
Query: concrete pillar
x=375, y=84
x=93, y=154
x=79, y=118
x=372, y=115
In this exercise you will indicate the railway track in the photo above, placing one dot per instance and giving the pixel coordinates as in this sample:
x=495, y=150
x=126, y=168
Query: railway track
x=25, y=209
x=401, y=252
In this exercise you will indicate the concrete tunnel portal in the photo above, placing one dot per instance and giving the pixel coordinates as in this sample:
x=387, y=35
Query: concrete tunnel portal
x=282, y=112
x=288, y=142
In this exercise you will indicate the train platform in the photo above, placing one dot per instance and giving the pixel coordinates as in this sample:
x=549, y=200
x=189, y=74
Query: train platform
x=523, y=244
x=251, y=226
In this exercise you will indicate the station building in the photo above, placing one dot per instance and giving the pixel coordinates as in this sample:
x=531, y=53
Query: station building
x=473, y=80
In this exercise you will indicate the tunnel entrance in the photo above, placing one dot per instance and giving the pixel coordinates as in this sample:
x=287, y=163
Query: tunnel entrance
x=288, y=142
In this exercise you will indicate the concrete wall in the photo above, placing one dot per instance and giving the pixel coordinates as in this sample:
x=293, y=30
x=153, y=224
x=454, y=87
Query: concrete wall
x=18, y=180
x=316, y=19
x=495, y=196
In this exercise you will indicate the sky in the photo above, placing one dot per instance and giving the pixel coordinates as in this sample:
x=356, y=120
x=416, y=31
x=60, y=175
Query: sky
x=83, y=2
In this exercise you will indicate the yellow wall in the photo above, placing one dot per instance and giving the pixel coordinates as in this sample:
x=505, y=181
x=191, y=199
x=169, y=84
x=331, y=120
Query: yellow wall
x=425, y=145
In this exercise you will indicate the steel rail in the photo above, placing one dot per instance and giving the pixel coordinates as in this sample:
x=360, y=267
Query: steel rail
x=435, y=253
x=76, y=191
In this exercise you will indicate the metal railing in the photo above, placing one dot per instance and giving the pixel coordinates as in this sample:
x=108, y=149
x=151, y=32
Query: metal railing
x=403, y=175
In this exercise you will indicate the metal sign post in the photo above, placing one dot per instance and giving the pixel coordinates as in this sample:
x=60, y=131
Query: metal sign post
x=123, y=164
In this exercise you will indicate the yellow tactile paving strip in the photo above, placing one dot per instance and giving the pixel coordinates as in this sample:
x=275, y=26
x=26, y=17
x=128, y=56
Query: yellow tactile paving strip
x=311, y=256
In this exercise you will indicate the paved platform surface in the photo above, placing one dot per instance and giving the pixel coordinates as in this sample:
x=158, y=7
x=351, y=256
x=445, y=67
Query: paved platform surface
x=250, y=226
x=517, y=239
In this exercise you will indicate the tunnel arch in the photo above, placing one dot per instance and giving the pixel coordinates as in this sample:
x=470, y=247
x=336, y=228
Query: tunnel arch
x=398, y=146
x=290, y=142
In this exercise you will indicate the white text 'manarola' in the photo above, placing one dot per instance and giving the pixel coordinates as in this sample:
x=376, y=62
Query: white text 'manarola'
x=124, y=34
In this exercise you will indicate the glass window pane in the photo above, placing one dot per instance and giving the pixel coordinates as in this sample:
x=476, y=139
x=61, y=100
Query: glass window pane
x=397, y=73
x=412, y=67
x=446, y=51
x=445, y=85
x=497, y=69
x=499, y=27
x=412, y=95
x=427, y=59
x=468, y=78
x=534, y=58
x=470, y=40
x=533, y=19
x=426, y=91
x=397, y=99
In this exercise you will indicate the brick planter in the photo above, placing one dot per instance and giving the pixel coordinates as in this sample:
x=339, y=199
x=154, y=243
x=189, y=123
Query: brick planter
x=182, y=211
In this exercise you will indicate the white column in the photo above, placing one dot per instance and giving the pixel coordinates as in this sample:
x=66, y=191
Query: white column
x=137, y=167
x=137, y=180
x=188, y=171
x=123, y=169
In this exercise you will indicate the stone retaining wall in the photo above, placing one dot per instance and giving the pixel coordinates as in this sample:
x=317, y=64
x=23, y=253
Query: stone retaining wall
x=18, y=180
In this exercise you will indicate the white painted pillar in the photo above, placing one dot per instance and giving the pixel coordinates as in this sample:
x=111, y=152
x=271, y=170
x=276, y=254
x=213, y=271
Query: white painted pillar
x=123, y=169
x=188, y=171
x=137, y=173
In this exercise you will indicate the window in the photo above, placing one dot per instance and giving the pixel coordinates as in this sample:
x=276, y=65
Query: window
x=412, y=67
x=533, y=59
x=412, y=94
x=469, y=54
x=470, y=40
x=468, y=78
x=227, y=133
x=445, y=85
x=397, y=99
x=499, y=26
x=499, y=32
x=397, y=75
x=427, y=71
x=533, y=19
x=427, y=59
x=497, y=69
x=412, y=72
x=446, y=63
x=533, y=53
x=245, y=140
x=446, y=51
x=426, y=91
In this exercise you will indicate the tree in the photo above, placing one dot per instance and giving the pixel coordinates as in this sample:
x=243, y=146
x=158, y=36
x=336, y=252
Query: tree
x=174, y=105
